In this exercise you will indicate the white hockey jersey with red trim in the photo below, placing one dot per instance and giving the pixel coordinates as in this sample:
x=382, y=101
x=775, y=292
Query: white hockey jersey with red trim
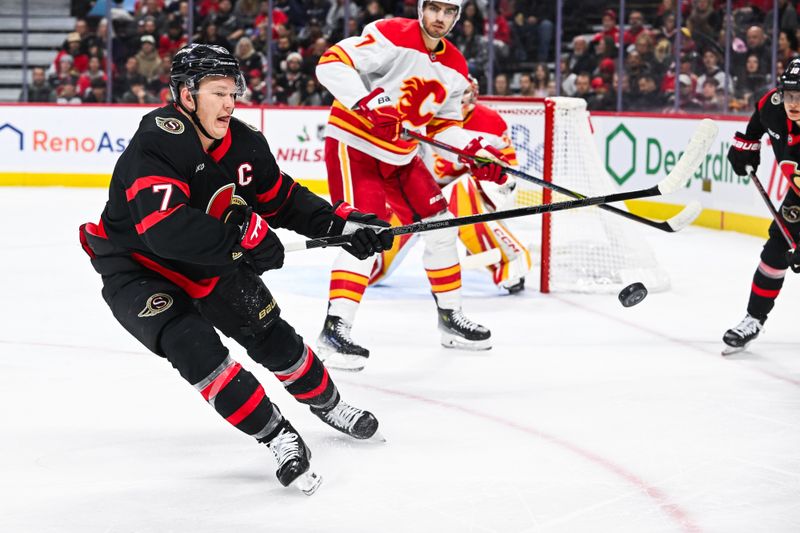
x=426, y=87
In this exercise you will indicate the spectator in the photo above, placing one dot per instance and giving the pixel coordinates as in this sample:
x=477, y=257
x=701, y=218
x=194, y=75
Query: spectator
x=246, y=12
x=228, y=26
x=38, y=90
x=291, y=79
x=709, y=98
x=542, y=86
x=282, y=48
x=294, y=11
x=756, y=41
x=66, y=72
x=80, y=61
x=711, y=70
x=662, y=57
x=65, y=94
x=647, y=97
x=334, y=20
x=122, y=81
x=96, y=93
x=787, y=46
x=526, y=88
x=501, y=30
x=137, y=94
x=173, y=40
x=159, y=86
x=540, y=17
x=473, y=47
x=312, y=56
x=248, y=58
x=209, y=35
x=93, y=72
x=667, y=29
x=787, y=17
x=749, y=86
x=610, y=28
x=523, y=38
x=703, y=20
x=583, y=86
x=501, y=87
x=635, y=27
x=148, y=58
x=308, y=94
x=373, y=11
x=581, y=59
x=154, y=11
x=688, y=99
x=470, y=12
x=309, y=33
x=602, y=99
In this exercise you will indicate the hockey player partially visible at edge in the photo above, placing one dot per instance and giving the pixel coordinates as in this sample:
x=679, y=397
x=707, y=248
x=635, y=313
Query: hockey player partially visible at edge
x=469, y=196
x=777, y=113
x=399, y=73
x=181, y=244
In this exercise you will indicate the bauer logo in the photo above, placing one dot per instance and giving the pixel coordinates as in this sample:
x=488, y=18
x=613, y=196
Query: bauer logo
x=11, y=135
x=157, y=303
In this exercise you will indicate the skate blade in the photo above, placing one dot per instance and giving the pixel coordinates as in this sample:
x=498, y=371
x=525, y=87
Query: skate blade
x=308, y=482
x=340, y=361
x=377, y=438
x=459, y=343
x=730, y=350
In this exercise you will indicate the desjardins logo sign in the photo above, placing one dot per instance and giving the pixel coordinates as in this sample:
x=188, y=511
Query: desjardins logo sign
x=628, y=155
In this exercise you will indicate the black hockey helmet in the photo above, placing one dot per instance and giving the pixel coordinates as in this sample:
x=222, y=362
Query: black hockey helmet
x=790, y=79
x=194, y=62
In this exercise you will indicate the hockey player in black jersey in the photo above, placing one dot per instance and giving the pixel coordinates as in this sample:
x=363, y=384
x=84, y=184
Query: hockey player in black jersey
x=777, y=114
x=181, y=244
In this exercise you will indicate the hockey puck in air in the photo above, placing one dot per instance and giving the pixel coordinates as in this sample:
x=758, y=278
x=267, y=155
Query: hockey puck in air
x=632, y=294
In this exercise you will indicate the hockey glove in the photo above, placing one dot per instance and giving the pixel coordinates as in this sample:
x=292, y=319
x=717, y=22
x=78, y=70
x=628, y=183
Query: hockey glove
x=793, y=257
x=378, y=109
x=260, y=246
x=491, y=171
x=744, y=152
x=364, y=240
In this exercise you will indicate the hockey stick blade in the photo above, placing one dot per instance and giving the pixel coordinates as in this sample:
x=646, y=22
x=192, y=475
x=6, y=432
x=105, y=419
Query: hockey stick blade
x=687, y=215
x=693, y=157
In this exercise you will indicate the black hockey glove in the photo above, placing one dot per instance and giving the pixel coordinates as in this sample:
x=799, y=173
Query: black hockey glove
x=793, y=257
x=364, y=240
x=743, y=153
x=260, y=246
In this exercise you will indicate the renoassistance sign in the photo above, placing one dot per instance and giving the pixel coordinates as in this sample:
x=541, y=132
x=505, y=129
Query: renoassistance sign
x=79, y=145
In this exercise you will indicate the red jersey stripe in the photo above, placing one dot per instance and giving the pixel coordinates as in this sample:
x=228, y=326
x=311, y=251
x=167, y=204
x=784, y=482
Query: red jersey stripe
x=273, y=192
x=764, y=292
x=316, y=391
x=220, y=151
x=146, y=182
x=154, y=218
x=195, y=289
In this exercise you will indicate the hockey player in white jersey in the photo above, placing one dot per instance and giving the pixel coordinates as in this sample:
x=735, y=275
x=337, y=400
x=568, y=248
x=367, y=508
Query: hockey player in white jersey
x=400, y=73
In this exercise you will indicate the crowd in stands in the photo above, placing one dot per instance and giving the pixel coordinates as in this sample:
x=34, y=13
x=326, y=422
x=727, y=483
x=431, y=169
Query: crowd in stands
x=145, y=40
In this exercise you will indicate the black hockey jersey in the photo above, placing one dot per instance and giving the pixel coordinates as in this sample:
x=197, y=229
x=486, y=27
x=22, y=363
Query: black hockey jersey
x=167, y=195
x=770, y=117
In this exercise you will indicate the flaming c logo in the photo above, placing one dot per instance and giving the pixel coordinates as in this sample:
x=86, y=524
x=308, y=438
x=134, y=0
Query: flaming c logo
x=415, y=95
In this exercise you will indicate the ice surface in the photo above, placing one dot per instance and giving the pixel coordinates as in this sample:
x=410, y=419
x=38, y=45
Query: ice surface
x=585, y=417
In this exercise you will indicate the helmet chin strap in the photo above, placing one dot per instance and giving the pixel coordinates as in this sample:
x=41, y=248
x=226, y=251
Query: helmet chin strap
x=196, y=119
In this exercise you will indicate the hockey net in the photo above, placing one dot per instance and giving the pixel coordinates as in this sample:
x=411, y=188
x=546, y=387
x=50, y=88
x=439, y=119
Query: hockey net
x=579, y=250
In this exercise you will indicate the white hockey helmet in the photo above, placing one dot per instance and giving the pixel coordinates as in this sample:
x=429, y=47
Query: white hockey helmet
x=421, y=5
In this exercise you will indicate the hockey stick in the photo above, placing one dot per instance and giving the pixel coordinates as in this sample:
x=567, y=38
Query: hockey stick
x=677, y=179
x=676, y=223
x=776, y=217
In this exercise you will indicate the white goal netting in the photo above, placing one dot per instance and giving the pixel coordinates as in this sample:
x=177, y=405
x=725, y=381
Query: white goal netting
x=589, y=249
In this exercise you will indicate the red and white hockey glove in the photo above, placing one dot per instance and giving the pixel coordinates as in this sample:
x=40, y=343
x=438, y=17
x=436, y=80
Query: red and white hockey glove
x=364, y=239
x=744, y=152
x=378, y=109
x=484, y=171
x=261, y=247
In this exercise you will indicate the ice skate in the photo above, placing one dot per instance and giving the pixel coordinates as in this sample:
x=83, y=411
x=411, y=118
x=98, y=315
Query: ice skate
x=738, y=338
x=460, y=332
x=336, y=349
x=513, y=286
x=293, y=458
x=353, y=421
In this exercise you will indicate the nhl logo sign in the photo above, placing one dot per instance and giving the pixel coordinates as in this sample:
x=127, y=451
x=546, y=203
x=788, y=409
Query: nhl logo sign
x=170, y=125
x=157, y=303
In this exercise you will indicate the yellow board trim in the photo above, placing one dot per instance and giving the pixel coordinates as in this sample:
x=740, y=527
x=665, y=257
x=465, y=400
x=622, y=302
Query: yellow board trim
x=709, y=218
x=57, y=179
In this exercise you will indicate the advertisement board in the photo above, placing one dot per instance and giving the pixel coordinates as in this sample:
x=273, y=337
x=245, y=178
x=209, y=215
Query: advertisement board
x=79, y=145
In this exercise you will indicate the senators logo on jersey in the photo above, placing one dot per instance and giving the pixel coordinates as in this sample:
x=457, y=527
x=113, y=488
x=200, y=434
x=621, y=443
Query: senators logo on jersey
x=419, y=93
x=790, y=171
